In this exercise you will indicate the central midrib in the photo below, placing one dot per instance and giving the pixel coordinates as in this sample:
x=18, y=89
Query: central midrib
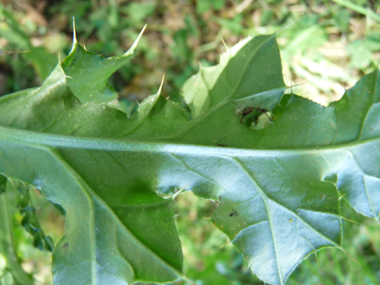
x=35, y=138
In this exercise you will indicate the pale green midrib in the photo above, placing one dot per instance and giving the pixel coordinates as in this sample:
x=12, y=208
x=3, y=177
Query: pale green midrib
x=82, y=185
x=226, y=99
x=90, y=192
x=53, y=140
x=267, y=208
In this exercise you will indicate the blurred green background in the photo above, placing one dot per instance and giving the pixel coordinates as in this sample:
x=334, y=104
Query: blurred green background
x=326, y=46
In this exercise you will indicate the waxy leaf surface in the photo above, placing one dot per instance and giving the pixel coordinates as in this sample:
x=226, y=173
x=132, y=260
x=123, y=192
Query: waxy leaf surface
x=279, y=181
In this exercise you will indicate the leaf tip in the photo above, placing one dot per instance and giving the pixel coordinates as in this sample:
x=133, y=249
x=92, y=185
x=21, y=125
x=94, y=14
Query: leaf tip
x=316, y=257
x=140, y=35
x=162, y=84
x=294, y=85
x=133, y=47
x=179, y=191
x=355, y=222
x=346, y=253
x=188, y=280
x=74, y=32
x=228, y=242
x=225, y=45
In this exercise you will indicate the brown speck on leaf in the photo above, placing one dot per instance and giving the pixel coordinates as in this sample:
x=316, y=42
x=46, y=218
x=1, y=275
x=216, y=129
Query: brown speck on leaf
x=65, y=245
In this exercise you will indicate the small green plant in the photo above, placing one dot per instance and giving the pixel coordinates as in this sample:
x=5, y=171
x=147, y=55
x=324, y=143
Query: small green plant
x=278, y=172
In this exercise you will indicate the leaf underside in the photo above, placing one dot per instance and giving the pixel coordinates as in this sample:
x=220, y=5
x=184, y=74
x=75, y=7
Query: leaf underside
x=279, y=181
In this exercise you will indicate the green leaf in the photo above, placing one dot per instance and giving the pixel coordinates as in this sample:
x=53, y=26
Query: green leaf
x=250, y=87
x=88, y=73
x=29, y=218
x=7, y=246
x=277, y=182
x=104, y=239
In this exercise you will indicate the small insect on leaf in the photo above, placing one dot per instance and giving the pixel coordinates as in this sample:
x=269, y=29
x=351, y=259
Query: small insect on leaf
x=233, y=213
x=245, y=113
x=250, y=109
